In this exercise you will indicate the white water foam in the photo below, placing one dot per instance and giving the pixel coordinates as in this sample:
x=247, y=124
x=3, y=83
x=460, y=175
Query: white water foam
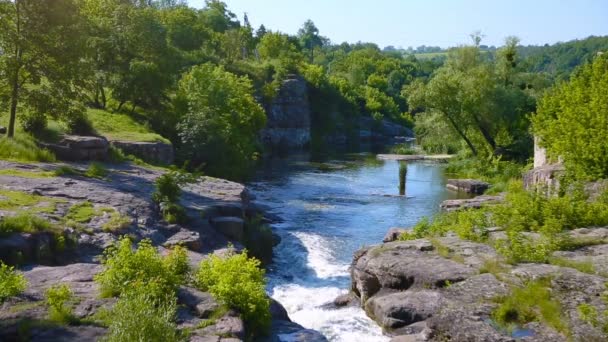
x=320, y=257
x=304, y=301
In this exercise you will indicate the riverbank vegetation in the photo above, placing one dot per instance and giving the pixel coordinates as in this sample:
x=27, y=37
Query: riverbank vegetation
x=140, y=71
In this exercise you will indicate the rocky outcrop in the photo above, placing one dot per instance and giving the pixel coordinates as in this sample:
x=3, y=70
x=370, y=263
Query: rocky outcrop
x=79, y=148
x=544, y=178
x=470, y=186
x=468, y=203
x=435, y=290
x=154, y=152
x=394, y=233
x=371, y=130
x=288, y=116
x=216, y=211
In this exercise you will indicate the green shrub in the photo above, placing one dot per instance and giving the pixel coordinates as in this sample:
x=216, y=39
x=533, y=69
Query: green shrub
x=12, y=283
x=237, y=281
x=403, y=149
x=33, y=122
x=139, y=315
x=571, y=121
x=23, y=148
x=96, y=170
x=530, y=303
x=167, y=189
x=57, y=301
x=24, y=223
x=125, y=267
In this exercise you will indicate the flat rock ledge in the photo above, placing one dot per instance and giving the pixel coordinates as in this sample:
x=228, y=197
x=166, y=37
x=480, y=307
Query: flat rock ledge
x=471, y=203
x=438, y=290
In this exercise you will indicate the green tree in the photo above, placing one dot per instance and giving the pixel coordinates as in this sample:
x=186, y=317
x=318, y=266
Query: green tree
x=222, y=120
x=33, y=36
x=572, y=121
x=310, y=38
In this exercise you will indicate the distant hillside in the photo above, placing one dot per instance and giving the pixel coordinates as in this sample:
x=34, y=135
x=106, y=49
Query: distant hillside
x=559, y=60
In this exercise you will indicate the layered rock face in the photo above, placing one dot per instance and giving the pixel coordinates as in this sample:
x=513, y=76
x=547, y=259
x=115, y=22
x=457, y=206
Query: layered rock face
x=440, y=289
x=158, y=152
x=288, y=116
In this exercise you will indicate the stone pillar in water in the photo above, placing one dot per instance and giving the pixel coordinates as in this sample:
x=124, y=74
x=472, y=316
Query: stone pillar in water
x=402, y=175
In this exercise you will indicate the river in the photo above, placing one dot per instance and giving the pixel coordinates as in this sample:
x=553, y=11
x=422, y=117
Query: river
x=330, y=210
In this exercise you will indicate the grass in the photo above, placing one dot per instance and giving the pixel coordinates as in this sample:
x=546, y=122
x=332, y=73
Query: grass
x=26, y=173
x=23, y=148
x=20, y=201
x=530, y=303
x=58, y=300
x=24, y=223
x=120, y=126
x=81, y=212
x=493, y=266
x=582, y=266
x=116, y=222
x=96, y=170
x=404, y=149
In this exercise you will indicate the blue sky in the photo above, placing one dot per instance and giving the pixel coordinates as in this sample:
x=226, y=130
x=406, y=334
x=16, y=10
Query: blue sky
x=430, y=22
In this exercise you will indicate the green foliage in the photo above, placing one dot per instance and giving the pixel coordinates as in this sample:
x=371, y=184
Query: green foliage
x=222, y=122
x=533, y=222
x=403, y=149
x=57, y=301
x=167, y=194
x=531, y=303
x=237, y=281
x=65, y=170
x=141, y=315
x=125, y=267
x=493, y=170
x=12, y=283
x=23, y=148
x=572, y=121
x=167, y=189
x=117, y=220
x=96, y=170
x=24, y=223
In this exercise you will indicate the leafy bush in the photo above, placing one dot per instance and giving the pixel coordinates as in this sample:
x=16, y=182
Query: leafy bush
x=140, y=315
x=237, y=281
x=33, y=122
x=167, y=189
x=572, y=123
x=11, y=282
x=222, y=121
x=59, y=310
x=125, y=267
x=530, y=303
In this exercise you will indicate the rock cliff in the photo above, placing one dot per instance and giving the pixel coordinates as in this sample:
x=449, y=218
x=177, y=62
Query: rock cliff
x=288, y=116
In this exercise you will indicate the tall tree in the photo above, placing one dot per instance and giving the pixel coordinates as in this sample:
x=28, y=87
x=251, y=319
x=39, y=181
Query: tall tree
x=310, y=38
x=40, y=44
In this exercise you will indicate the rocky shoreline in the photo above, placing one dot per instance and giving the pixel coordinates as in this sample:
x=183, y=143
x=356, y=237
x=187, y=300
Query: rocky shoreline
x=217, y=213
x=446, y=289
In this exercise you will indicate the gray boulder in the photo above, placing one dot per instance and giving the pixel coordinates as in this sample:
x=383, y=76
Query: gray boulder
x=470, y=186
x=232, y=227
x=394, y=233
x=201, y=303
x=399, y=309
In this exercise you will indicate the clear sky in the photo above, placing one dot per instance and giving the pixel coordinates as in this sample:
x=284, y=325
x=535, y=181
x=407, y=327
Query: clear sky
x=430, y=22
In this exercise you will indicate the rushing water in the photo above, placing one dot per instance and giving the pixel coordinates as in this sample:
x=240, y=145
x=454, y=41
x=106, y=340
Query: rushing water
x=330, y=210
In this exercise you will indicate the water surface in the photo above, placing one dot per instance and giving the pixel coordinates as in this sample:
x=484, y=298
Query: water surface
x=330, y=210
